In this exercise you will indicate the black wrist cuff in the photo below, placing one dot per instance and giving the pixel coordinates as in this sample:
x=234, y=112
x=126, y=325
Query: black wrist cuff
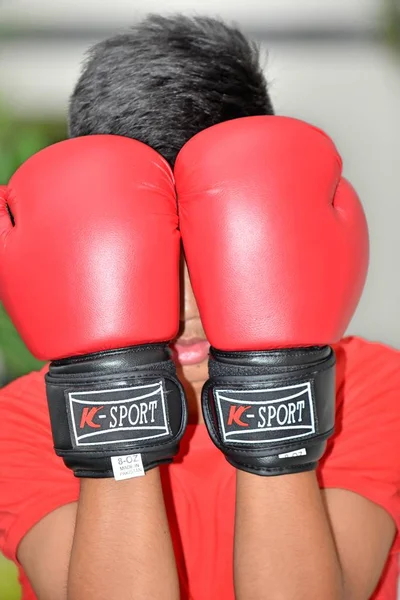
x=271, y=412
x=113, y=403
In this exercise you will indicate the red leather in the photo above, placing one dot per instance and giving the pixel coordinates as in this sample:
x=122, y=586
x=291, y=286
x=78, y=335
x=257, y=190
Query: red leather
x=92, y=262
x=275, y=238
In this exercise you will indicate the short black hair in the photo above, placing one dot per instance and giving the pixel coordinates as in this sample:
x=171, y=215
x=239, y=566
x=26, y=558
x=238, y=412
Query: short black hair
x=166, y=79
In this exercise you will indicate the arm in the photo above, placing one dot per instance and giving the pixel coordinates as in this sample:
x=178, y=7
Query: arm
x=45, y=550
x=122, y=546
x=300, y=543
x=111, y=385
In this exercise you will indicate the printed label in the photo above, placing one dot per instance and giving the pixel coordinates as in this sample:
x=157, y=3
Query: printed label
x=126, y=467
x=300, y=452
x=265, y=415
x=118, y=416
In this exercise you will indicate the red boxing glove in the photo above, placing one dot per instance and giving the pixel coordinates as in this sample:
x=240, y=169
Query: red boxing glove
x=277, y=248
x=89, y=268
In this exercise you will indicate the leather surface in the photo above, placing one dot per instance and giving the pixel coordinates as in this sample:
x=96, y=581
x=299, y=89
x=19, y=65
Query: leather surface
x=92, y=261
x=275, y=238
x=273, y=417
x=122, y=402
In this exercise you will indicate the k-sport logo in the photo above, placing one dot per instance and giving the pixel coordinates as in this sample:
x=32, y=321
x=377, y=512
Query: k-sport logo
x=265, y=415
x=121, y=415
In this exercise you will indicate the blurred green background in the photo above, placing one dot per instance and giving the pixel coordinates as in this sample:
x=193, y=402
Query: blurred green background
x=9, y=588
x=19, y=139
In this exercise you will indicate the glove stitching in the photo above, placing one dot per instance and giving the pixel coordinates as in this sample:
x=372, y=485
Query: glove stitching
x=234, y=354
x=255, y=452
x=282, y=470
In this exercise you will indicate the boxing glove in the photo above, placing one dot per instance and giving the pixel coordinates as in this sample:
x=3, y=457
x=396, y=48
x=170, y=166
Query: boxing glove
x=277, y=249
x=89, y=268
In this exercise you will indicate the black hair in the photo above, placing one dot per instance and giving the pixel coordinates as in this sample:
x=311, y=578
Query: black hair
x=166, y=79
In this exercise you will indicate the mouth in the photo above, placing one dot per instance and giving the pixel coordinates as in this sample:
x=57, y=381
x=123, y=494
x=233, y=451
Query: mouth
x=190, y=352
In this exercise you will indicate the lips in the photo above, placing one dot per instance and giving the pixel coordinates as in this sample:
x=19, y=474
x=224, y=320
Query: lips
x=190, y=352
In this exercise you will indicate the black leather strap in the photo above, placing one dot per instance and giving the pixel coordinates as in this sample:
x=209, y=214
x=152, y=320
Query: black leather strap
x=271, y=412
x=115, y=403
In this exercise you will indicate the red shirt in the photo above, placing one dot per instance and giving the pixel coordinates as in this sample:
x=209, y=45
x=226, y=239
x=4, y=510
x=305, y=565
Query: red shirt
x=363, y=456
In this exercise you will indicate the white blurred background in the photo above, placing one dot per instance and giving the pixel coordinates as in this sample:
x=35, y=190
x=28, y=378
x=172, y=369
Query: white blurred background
x=329, y=62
